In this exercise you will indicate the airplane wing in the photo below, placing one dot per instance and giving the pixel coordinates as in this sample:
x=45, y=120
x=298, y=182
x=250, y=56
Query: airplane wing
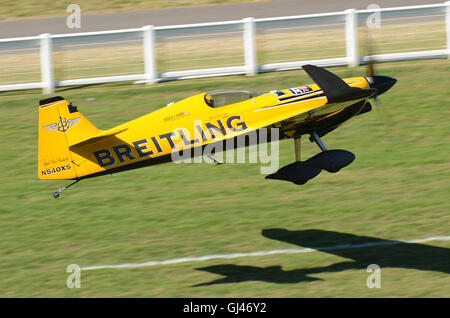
x=334, y=88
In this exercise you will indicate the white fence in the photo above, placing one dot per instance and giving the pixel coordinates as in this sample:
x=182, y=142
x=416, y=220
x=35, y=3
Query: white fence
x=249, y=46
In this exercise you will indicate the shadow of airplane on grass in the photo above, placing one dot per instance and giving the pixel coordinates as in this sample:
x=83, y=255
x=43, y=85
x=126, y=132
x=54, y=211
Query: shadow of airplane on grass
x=361, y=250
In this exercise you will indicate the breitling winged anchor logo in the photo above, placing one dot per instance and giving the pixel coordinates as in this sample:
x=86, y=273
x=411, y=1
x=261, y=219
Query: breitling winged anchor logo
x=63, y=125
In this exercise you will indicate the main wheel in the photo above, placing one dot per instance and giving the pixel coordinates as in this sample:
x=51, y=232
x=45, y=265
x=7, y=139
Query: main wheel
x=56, y=195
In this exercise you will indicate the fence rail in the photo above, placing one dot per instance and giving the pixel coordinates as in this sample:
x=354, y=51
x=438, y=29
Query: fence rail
x=247, y=46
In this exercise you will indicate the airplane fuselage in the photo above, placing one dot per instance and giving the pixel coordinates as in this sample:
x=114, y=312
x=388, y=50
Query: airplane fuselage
x=192, y=123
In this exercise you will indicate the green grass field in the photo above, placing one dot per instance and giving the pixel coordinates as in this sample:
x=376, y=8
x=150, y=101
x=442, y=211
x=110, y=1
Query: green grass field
x=397, y=188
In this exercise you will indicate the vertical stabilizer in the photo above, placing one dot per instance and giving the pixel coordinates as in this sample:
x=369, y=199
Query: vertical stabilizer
x=59, y=124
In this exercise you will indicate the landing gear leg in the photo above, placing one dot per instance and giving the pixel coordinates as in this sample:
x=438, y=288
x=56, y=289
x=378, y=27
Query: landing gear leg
x=315, y=137
x=58, y=193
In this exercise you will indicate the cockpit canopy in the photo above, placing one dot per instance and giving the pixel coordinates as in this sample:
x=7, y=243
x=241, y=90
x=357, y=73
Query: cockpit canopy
x=225, y=97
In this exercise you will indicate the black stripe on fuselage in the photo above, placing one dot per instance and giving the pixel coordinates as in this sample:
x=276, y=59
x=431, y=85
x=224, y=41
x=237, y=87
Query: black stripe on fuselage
x=303, y=98
x=298, y=96
x=293, y=101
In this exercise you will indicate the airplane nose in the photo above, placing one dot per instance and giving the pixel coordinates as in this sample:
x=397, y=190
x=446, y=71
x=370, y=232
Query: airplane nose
x=381, y=83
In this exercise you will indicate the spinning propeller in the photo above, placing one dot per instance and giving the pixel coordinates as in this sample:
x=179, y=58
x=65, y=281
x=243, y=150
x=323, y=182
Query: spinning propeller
x=380, y=82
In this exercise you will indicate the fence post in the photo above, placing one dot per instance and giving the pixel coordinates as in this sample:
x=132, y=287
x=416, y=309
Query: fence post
x=351, y=37
x=47, y=80
x=150, y=54
x=250, y=46
x=447, y=26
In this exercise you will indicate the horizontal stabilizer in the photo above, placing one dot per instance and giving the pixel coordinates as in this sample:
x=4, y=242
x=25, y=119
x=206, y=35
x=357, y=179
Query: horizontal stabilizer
x=98, y=136
x=334, y=88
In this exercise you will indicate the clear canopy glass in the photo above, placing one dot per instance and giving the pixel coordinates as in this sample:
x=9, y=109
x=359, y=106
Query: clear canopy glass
x=223, y=97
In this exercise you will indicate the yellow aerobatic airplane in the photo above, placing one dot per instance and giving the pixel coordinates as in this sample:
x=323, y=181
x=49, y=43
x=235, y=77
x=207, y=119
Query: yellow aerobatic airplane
x=72, y=148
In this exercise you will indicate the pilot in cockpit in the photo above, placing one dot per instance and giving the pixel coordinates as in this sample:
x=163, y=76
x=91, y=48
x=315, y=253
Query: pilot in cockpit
x=209, y=100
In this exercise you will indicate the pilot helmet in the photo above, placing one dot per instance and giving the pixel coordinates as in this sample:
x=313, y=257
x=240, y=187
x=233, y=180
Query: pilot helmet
x=209, y=100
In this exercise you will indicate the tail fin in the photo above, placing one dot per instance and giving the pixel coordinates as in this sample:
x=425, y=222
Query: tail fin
x=60, y=124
